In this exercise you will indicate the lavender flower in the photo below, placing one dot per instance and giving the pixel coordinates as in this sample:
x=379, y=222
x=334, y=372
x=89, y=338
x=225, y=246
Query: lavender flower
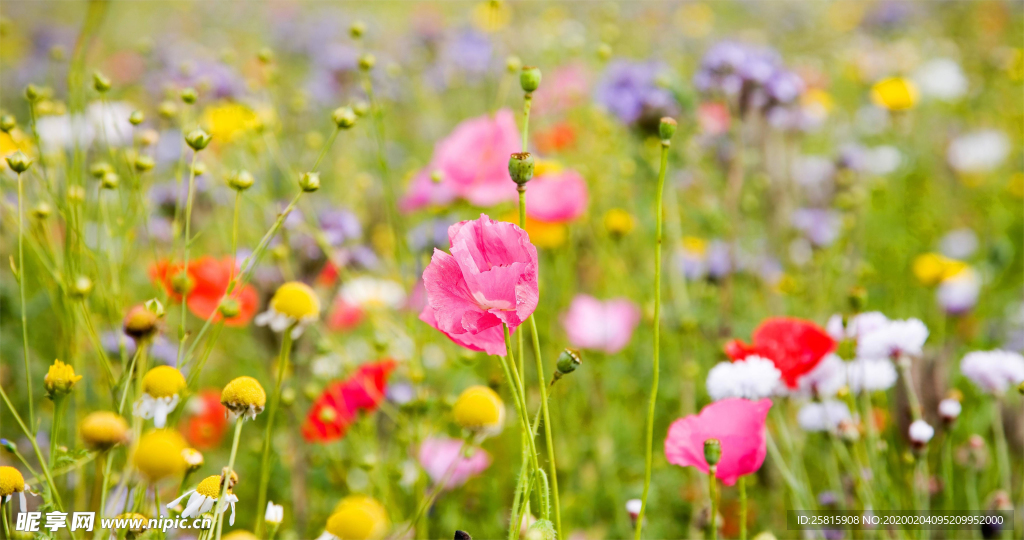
x=630, y=91
x=753, y=79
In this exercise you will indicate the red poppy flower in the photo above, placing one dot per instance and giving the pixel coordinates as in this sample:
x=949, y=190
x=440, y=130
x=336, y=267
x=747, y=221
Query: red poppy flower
x=344, y=316
x=206, y=421
x=210, y=278
x=558, y=137
x=336, y=408
x=795, y=346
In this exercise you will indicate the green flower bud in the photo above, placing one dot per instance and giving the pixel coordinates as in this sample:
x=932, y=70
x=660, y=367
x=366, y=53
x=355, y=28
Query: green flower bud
x=76, y=194
x=529, y=79
x=189, y=95
x=309, y=182
x=265, y=56
x=137, y=117
x=98, y=169
x=110, y=180
x=361, y=108
x=344, y=117
x=857, y=298
x=33, y=93
x=8, y=445
x=241, y=180
x=156, y=307
x=198, y=139
x=42, y=210
x=167, y=109
x=199, y=168
x=520, y=167
x=7, y=123
x=19, y=162
x=100, y=82
x=1020, y=388
x=541, y=529
x=144, y=163
x=437, y=176
x=667, y=128
x=513, y=64
x=81, y=287
x=182, y=283
x=357, y=29
x=604, y=51
x=568, y=361
x=712, y=451
x=229, y=308
x=367, y=61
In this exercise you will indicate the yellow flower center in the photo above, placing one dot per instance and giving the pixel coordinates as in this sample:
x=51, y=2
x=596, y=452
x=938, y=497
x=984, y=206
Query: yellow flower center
x=358, y=517
x=894, y=93
x=60, y=378
x=163, y=381
x=478, y=407
x=296, y=300
x=243, y=392
x=619, y=222
x=210, y=487
x=11, y=481
x=103, y=429
x=159, y=454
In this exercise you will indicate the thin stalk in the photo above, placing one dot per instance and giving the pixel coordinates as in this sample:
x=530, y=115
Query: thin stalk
x=323, y=151
x=55, y=496
x=275, y=400
x=743, y=508
x=59, y=402
x=947, y=471
x=187, y=251
x=226, y=479
x=649, y=458
x=527, y=103
x=21, y=290
x=3, y=515
x=1002, y=452
x=429, y=501
x=713, y=491
x=908, y=384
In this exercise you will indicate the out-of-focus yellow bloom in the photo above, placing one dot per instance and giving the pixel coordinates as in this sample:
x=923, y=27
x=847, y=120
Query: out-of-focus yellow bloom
x=1016, y=185
x=103, y=430
x=619, y=222
x=1015, y=65
x=479, y=409
x=542, y=234
x=11, y=143
x=60, y=379
x=817, y=99
x=695, y=20
x=894, y=93
x=491, y=16
x=194, y=458
x=358, y=517
x=227, y=120
x=11, y=482
x=844, y=16
x=546, y=166
x=158, y=454
x=694, y=245
x=932, y=268
x=240, y=535
x=244, y=396
x=163, y=381
x=296, y=300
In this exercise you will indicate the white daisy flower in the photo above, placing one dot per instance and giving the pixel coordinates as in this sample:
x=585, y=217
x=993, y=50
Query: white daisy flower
x=894, y=338
x=871, y=374
x=993, y=371
x=825, y=380
x=160, y=394
x=822, y=416
x=372, y=293
x=204, y=497
x=921, y=432
x=856, y=326
x=274, y=514
x=752, y=378
x=294, y=305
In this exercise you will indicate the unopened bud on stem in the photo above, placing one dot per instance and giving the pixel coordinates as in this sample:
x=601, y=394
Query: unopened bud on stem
x=520, y=167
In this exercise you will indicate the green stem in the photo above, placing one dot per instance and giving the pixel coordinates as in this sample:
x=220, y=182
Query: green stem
x=649, y=457
x=743, y=508
x=1002, y=452
x=527, y=103
x=323, y=151
x=549, y=441
x=21, y=290
x=713, y=489
x=187, y=251
x=908, y=384
x=275, y=400
x=219, y=510
x=35, y=447
x=947, y=470
x=59, y=400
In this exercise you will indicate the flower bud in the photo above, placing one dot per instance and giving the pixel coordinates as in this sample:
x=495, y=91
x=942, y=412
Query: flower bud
x=155, y=306
x=667, y=128
x=199, y=168
x=198, y=139
x=189, y=95
x=148, y=137
x=110, y=180
x=1020, y=388
x=344, y=117
x=60, y=379
x=19, y=162
x=81, y=287
x=42, y=210
x=520, y=167
x=140, y=323
x=265, y=55
x=357, y=29
x=361, y=107
x=604, y=51
x=137, y=117
x=229, y=308
x=513, y=64
x=33, y=93
x=182, y=283
x=437, y=176
x=100, y=82
x=309, y=182
x=8, y=445
x=76, y=194
x=462, y=535
x=541, y=529
x=167, y=109
x=712, y=451
x=857, y=298
x=144, y=163
x=7, y=123
x=949, y=410
x=568, y=361
x=241, y=180
x=367, y=61
x=100, y=168
x=529, y=79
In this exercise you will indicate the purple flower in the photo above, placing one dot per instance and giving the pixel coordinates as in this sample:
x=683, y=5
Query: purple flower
x=469, y=51
x=753, y=79
x=820, y=226
x=629, y=90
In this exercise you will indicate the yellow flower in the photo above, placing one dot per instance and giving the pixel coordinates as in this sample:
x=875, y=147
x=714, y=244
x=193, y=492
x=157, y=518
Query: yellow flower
x=619, y=222
x=358, y=517
x=210, y=487
x=542, y=234
x=103, y=430
x=227, y=120
x=194, y=458
x=479, y=409
x=163, y=381
x=240, y=535
x=158, y=454
x=546, y=166
x=244, y=396
x=60, y=379
x=894, y=93
x=11, y=482
x=294, y=305
x=932, y=268
x=491, y=16
x=694, y=245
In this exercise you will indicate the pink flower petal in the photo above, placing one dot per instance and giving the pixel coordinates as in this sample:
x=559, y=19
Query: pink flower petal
x=738, y=424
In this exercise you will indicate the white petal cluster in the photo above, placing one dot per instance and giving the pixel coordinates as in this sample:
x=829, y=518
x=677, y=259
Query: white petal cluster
x=753, y=377
x=993, y=371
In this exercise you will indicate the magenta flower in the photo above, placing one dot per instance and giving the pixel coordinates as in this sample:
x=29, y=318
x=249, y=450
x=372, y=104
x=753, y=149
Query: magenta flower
x=489, y=278
x=470, y=164
x=600, y=326
x=739, y=424
x=556, y=196
x=438, y=455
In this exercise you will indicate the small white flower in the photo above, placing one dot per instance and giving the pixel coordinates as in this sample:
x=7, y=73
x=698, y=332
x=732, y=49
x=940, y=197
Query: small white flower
x=949, y=409
x=856, y=326
x=921, y=432
x=993, y=371
x=894, y=338
x=959, y=243
x=752, y=378
x=871, y=374
x=826, y=379
x=203, y=498
x=941, y=78
x=883, y=160
x=372, y=293
x=156, y=408
x=978, y=152
x=823, y=416
x=959, y=293
x=275, y=513
x=633, y=506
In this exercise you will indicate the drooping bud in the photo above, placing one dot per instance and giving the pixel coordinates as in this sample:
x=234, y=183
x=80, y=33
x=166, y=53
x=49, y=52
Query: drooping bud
x=241, y=180
x=667, y=128
x=529, y=79
x=100, y=82
x=520, y=167
x=81, y=287
x=140, y=323
x=42, y=210
x=712, y=451
x=137, y=117
x=110, y=180
x=19, y=162
x=367, y=61
x=309, y=182
x=344, y=117
x=189, y=95
x=198, y=139
x=7, y=123
x=357, y=29
x=144, y=163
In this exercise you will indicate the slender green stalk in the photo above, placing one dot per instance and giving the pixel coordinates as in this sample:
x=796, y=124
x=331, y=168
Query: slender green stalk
x=947, y=472
x=649, y=458
x=713, y=491
x=429, y=500
x=226, y=479
x=3, y=515
x=1002, y=451
x=323, y=151
x=549, y=441
x=275, y=400
x=527, y=103
x=189, y=197
x=55, y=495
x=21, y=290
x=908, y=384
x=743, y=508
x=59, y=402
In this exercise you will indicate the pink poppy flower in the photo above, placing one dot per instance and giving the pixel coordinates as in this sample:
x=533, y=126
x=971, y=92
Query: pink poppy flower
x=439, y=454
x=490, y=278
x=739, y=424
x=600, y=326
x=564, y=88
x=556, y=197
x=472, y=163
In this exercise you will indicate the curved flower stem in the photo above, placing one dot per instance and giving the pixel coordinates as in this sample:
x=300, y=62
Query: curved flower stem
x=743, y=508
x=649, y=458
x=517, y=395
x=275, y=399
x=189, y=197
x=226, y=478
x=35, y=448
x=21, y=290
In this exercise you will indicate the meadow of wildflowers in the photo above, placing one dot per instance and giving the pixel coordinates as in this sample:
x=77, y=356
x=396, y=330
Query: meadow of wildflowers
x=509, y=269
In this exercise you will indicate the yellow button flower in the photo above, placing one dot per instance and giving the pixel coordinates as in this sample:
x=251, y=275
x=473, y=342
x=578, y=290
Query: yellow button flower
x=60, y=379
x=159, y=454
x=102, y=430
x=619, y=222
x=11, y=482
x=357, y=517
x=244, y=396
x=203, y=498
x=161, y=389
x=542, y=234
x=894, y=93
x=294, y=306
x=225, y=121
x=479, y=409
x=932, y=268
